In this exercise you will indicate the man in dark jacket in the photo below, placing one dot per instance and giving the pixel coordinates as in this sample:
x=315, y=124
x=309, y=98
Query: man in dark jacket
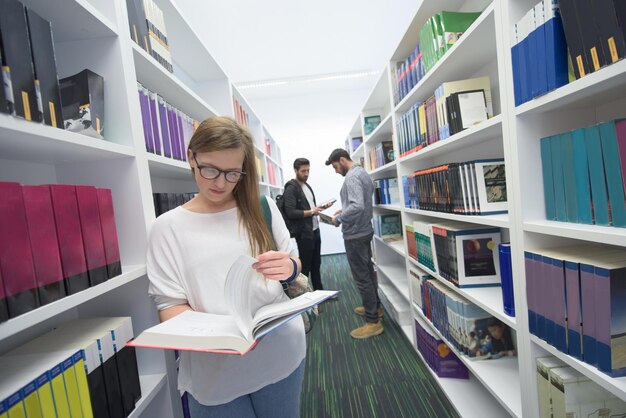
x=303, y=224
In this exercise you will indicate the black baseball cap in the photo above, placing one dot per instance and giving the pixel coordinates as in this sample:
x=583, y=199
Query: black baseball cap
x=337, y=154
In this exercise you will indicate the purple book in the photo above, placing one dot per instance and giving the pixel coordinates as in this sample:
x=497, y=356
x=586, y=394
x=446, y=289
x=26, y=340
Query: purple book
x=529, y=264
x=42, y=231
x=173, y=131
x=69, y=235
x=587, y=292
x=559, y=311
x=16, y=257
x=165, y=130
x=145, y=118
x=152, y=98
x=181, y=135
x=574, y=319
x=541, y=295
x=87, y=197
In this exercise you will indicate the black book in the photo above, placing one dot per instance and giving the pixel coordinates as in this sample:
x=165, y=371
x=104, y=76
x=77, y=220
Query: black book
x=141, y=26
x=471, y=108
x=16, y=59
x=4, y=103
x=574, y=37
x=611, y=35
x=163, y=203
x=4, y=312
x=592, y=40
x=45, y=69
x=620, y=11
x=82, y=96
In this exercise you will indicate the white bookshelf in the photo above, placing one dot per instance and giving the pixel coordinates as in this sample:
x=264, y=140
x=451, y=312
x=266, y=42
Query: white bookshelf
x=31, y=153
x=508, y=388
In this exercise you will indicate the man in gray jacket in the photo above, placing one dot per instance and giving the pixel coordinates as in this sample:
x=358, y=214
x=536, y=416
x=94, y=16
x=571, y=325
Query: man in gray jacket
x=355, y=219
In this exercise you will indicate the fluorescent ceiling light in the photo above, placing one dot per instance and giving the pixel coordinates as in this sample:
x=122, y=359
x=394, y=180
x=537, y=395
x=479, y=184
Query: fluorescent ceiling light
x=307, y=79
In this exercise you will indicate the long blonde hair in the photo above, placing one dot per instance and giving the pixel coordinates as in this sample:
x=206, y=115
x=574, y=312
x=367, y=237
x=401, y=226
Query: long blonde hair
x=220, y=133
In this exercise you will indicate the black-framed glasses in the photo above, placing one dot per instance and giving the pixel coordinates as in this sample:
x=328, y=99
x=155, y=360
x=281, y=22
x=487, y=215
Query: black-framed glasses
x=212, y=173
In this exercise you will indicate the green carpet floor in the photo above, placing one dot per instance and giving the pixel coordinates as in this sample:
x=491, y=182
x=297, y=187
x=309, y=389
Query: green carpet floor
x=379, y=377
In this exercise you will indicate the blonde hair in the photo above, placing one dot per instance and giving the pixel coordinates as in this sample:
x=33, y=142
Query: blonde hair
x=220, y=133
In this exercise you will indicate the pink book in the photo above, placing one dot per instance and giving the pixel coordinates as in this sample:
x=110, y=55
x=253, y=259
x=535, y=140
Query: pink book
x=4, y=313
x=109, y=233
x=620, y=133
x=65, y=206
x=88, y=209
x=42, y=231
x=16, y=258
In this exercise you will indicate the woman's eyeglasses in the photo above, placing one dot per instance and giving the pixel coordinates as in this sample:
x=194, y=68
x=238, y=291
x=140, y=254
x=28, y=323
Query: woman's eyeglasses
x=212, y=173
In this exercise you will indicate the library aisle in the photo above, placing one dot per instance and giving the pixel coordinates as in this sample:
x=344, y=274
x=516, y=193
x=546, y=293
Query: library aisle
x=379, y=377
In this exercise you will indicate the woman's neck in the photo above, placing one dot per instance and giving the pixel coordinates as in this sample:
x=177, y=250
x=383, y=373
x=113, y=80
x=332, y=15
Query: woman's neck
x=200, y=204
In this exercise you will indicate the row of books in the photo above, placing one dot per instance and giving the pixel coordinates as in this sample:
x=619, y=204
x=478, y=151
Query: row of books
x=271, y=148
x=539, y=52
x=595, y=33
x=166, y=129
x=467, y=327
x=353, y=143
x=436, y=37
x=464, y=254
x=386, y=191
x=388, y=226
x=164, y=202
x=470, y=188
x=576, y=303
x=274, y=176
x=437, y=354
x=82, y=368
x=241, y=115
x=381, y=154
x=565, y=392
x=147, y=29
x=63, y=240
x=454, y=106
x=31, y=89
x=584, y=174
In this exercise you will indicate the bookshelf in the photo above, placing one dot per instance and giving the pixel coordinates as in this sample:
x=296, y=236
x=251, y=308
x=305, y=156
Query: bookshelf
x=504, y=386
x=32, y=153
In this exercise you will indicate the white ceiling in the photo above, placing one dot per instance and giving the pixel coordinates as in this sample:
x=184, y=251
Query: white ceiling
x=275, y=39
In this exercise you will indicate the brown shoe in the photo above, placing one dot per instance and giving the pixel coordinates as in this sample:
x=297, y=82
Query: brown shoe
x=370, y=329
x=359, y=310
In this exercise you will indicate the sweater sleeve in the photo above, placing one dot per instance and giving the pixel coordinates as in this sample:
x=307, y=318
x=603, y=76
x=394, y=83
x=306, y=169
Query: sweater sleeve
x=162, y=264
x=352, y=212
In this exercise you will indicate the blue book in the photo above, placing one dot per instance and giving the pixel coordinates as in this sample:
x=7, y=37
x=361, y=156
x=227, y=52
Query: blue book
x=540, y=296
x=524, y=61
x=587, y=302
x=613, y=173
x=515, y=61
x=599, y=195
x=547, y=290
x=541, y=75
x=556, y=53
x=548, y=179
x=506, y=278
x=559, y=181
x=559, y=335
x=529, y=267
x=581, y=174
x=532, y=63
x=569, y=180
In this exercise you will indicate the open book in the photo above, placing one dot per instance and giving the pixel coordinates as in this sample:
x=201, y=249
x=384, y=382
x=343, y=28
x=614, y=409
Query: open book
x=237, y=333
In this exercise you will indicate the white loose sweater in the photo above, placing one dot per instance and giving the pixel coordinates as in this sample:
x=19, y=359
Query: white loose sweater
x=189, y=255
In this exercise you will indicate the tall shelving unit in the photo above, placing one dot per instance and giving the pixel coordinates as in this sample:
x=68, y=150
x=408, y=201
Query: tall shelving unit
x=94, y=34
x=505, y=386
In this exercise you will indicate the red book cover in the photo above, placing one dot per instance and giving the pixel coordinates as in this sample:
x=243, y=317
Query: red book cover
x=4, y=313
x=16, y=257
x=42, y=231
x=89, y=211
x=109, y=233
x=70, y=238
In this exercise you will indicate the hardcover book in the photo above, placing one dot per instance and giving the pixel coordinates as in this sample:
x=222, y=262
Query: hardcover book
x=237, y=333
x=45, y=70
x=90, y=225
x=109, y=233
x=491, y=186
x=370, y=123
x=82, y=96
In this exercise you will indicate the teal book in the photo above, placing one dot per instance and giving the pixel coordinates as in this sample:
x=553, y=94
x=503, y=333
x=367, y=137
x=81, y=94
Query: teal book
x=613, y=173
x=581, y=174
x=548, y=179
x=559, y=182
x=569, y=180
x=599, y=196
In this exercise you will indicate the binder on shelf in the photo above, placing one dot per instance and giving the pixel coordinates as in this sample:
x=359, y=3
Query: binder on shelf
x=93, y=241
x=581, y=176
x=569, y=180
x=4, y=312
x=571, y=27
x=16, y=258
x=165, y=131
x=506, y=278
x=548, y=179
x=45, y=70
x=556, y=47
x=70, y=238
x=613, y=172
x=17, y=70
x=611, y=35
x=152, y=102
x=109, y=233
x=557, y=176
x=589, y=27
x=82, y=95
x=42, y=233
x=597, y=181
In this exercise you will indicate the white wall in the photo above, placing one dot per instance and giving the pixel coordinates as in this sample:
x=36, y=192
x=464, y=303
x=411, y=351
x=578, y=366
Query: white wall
x=311, y=126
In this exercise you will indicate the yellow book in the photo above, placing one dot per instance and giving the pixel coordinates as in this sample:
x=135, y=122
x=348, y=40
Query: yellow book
x=46, y=401
x=58, y=391
x=83, y=385
x=15, y=406
x=30, y=398
x=3, y=409
x=71, y=386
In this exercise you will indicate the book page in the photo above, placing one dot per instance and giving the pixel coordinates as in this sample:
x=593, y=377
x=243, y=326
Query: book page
x=237, y=292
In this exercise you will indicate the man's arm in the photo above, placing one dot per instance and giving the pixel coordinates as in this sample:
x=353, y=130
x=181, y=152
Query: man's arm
x=291, y=200
x=356, y=204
